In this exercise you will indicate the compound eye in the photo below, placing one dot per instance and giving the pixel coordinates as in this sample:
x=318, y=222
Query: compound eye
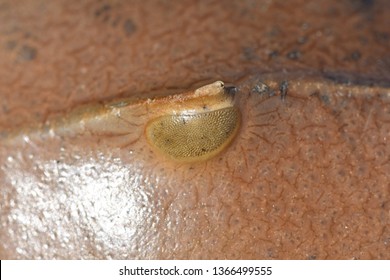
x=194, y=137
x=197, y=127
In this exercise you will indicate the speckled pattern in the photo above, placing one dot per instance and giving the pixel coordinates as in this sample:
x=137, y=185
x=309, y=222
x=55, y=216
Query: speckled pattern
x=307, y=176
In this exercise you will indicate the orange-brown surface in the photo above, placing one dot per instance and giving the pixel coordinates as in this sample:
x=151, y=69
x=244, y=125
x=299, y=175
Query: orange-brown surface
x=306, y=177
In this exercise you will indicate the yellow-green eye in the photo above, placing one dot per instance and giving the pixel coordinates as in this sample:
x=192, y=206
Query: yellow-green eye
x=191, y=137
x=198, y=128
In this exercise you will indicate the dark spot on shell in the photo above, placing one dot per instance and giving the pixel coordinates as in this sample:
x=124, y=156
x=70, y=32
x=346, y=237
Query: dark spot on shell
x=325, y=99
x=283, y=89
x=367, y=3
x=382, y=37
x=363, y=5
x=3, y=134
x=355, y=56
x=249, y=53
x=231, y=90
x=302, y=40
x=295, y=54
x=27, y=53
x=273, y=54
x=5, y=107
x=260, y=88
x=10, y=45
x=129, y=27
x=102, y=9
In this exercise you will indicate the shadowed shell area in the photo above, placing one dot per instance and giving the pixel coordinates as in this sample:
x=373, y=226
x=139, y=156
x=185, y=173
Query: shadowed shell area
x=306, y=175
x=189, y=137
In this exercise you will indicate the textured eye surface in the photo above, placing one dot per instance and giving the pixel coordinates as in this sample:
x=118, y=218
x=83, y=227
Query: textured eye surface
x=192, y=137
